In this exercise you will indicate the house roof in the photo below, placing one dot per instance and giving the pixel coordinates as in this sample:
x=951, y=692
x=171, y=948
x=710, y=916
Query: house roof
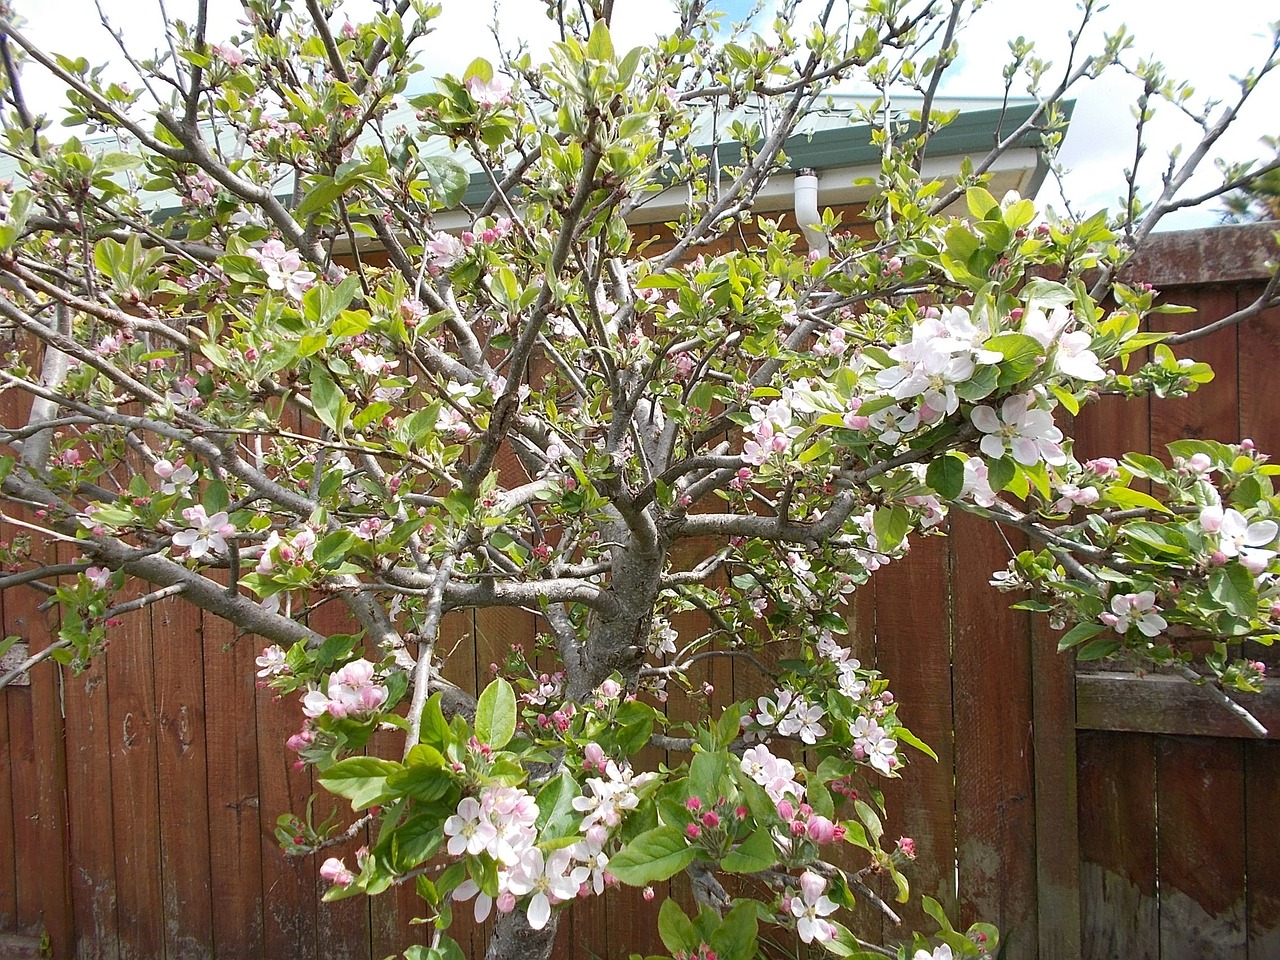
x=833, y=140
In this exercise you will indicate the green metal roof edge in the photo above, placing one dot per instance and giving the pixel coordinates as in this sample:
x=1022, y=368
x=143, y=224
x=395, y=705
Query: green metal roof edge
x=975, y=131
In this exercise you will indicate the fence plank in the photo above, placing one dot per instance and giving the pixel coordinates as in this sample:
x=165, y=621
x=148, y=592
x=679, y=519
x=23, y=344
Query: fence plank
x=1116, y=787
x=92, y=849
x=1212, y=412
x=995, y=825
x=1201, y=856
x=1262, y=813
x=288, y=883
x=913, y=649
x=8, y=853
x=184, y=780
x=342, y=926
x=231, y=753
x=1057, y=831
x=42, y=827
x=134, y=790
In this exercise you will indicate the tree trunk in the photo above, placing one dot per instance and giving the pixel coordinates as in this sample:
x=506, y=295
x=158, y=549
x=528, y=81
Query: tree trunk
x=514, y=939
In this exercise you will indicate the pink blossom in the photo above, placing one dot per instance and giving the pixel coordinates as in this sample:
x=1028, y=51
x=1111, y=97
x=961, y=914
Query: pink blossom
x=810, y=907
x=284, y=269
x=489, y=93
x=272, y=661
x=336, y=872
x=206, y=533
x=231, y=55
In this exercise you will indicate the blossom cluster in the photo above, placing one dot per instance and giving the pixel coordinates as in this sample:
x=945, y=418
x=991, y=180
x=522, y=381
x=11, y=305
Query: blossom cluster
x=353, y=691
x=500, y=824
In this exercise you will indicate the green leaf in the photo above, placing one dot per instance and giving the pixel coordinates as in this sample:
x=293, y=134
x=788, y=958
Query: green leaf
x=325, y=397
x=676, y=929
x=868, y=817
x=1000, y=473
x=333, y=546
x=704, y=774
x=654, y=855
x=1158, y=537
x=946, y=476
x=1127, y=498
x=1098, y=649
x=1079, y=634
x=434, y=729
x=903, y=735
x=496, y=714
x=1232, y=586
x=555, y=806
x=480, y=68
x=735, y=939
x=891, y=525
x=1066, y=398
x=599, y=44
x=362, y=780
x=424, y=779
x=448, y=178
x=753, y=855
x=980, y=202
x=319, y=198
x=1021, y=356
x=446, y=949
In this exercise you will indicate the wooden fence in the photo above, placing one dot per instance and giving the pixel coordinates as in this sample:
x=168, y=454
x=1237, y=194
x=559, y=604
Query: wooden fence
x=1102, y=816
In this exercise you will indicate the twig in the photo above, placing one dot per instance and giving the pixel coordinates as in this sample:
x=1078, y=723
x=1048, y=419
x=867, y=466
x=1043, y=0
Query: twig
x=1247, y=718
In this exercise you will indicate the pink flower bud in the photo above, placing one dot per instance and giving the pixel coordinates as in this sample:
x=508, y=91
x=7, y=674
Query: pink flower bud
x=821, y=830
x=610, y=688
x=711, y=819
x=693, y=804
x=785, y=810
x=693, y=831
x=336, y=872
x=1247, y=445
x=506, y=902
x=648, y=893
x=907, y=846
x=1217, y=558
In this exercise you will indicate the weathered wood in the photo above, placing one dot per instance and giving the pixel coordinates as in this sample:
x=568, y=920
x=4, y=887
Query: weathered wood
x=53, y=869
x=1212, y=412
x=1262, y=866
x=1259, y=340
x=342, y=926
x=1220, y=254
x=184, y=783
x=1116, y=788
x=135, y=790
x=1202, y=854
x=92, y=850
x=1057, y=830
x=8, y=852
x=1160, y=703
x=288, y=883
x=913, y=649
x=14, y=947
x=995, y=807
x=231, y=754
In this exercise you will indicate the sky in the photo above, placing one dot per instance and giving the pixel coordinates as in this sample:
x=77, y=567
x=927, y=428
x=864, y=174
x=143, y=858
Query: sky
x=1200, y=42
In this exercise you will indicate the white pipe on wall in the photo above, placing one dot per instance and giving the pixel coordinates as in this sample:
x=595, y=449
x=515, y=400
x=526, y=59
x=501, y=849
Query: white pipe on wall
x=807, y=215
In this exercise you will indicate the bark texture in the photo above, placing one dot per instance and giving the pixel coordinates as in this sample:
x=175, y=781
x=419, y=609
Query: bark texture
x=514, y=939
